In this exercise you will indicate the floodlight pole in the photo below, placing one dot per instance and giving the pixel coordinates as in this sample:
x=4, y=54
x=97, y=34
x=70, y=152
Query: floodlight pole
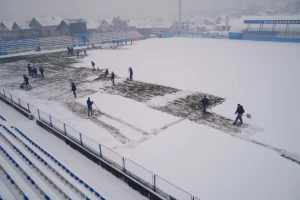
x=180, y=24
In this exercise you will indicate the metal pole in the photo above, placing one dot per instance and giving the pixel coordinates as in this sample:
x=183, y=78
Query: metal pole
x=80, y=139
x=154, y=182
x=180, y=17
x=124, y=167
x=39, y=114
x=100, y=150
x=65, y=129
x=50, y=120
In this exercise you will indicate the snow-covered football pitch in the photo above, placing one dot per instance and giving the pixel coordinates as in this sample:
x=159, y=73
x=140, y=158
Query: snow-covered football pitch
x=156, y=120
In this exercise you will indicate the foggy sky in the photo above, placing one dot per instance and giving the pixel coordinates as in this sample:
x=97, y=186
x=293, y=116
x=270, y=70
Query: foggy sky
x=105, y=9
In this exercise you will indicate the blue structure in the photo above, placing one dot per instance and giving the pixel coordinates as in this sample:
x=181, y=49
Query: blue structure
x=273, y=35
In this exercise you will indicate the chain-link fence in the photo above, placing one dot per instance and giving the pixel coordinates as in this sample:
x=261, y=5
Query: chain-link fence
x=139, y=173
x=58, y=125
x=112, y=157
x=167, y=189
x=90, y=144
x=73, y=134
x=132, y=169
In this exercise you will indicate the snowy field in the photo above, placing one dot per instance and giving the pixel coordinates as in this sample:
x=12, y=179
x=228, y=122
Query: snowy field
x=204, y=155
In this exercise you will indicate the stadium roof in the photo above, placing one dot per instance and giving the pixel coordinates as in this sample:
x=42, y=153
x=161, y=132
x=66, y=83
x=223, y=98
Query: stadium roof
x=48, y=20
x=152, y=23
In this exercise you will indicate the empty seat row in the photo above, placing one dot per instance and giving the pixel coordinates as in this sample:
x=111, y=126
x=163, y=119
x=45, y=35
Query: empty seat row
x=57, y=163
x=1, y=117
x=28, y=161
x=30, y=180
x=12, y=182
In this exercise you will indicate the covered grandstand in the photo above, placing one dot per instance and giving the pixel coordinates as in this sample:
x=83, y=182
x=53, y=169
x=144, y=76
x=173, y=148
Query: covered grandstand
x=276, y=29
x=8, y=47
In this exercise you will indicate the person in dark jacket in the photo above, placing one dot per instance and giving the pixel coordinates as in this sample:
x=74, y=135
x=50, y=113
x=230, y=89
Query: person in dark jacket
x=112, y=78
x=106, y=73
x=93, y=64
x=130, y=73
x=239, y=111
x=26, y=81
x=29, y=69
x=77, y=54
x=34, y=73
x=42, y=71
x=204, y=103
x=74, y=90
x=89, y=105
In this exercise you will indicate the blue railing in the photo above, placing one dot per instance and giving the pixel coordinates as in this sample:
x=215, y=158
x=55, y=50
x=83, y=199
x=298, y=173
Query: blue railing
x=137, y=172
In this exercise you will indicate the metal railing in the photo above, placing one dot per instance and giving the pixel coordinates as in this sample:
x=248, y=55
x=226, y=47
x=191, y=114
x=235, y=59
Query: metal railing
x=137, y=172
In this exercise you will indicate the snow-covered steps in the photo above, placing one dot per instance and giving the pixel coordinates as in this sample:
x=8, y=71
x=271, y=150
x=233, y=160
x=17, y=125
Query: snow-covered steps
x=28, y=172
x=2, y=118
x=9, y=189
x=75, y=184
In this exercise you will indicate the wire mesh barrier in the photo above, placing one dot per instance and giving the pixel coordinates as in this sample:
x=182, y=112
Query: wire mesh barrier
x=73, y=134
x=58, y=125
x=112, y=157
x=14, y=99
x=132, y=169
x=44, y=117
x=171, y=191
x=34, y=111
x=139, y=173
x=90, y=144
x=24, y=104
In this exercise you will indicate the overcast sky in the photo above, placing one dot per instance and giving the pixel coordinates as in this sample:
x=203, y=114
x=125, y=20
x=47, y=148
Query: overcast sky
x=104, y=9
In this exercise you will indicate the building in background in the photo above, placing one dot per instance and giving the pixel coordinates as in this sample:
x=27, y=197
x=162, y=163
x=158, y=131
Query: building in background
x=118, y=24
x=155, y=26
x=104, y=26
x=72, y=26
x=24, y=31
x=46, y=25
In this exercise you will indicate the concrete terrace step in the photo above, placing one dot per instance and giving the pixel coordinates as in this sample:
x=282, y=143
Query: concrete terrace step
x=65, y=174
x=36, y=179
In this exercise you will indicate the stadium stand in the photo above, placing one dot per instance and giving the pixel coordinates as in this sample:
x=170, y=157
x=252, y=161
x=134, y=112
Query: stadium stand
x=261, y=34
x=102, y=37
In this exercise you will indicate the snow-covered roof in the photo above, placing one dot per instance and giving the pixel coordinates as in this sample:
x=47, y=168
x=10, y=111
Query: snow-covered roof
x=49, y=21
x=72, y=21
x=92, y=24
x=23, y=24
x=152, y=23
x=8, y=24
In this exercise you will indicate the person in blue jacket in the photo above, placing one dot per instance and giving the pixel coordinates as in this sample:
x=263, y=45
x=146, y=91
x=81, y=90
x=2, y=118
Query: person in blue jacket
x=204, y=103
x=89, y=105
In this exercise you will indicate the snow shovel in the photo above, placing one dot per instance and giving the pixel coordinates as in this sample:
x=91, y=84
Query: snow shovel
x=97, y=109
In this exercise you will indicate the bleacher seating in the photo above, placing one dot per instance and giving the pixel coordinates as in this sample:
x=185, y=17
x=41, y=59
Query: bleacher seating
x=100, y=37
x=12, y=45
x=288, y=35
x=261, y=34
x=48, y=43
x=58, y=42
